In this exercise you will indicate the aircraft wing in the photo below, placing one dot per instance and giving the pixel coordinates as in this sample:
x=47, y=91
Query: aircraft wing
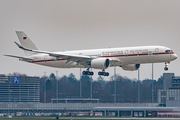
x=21, y=58
x=80, y=59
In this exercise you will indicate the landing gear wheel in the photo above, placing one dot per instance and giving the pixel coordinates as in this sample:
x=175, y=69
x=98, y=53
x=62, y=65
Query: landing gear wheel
x=84, y=72
x=166, y=68
x=99, y=73
x=106, y=74
x=103, y=73
x=91, y=73
x=88, y=73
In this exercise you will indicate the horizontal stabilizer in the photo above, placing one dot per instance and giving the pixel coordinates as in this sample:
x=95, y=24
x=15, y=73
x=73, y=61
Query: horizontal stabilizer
x=21, y=58
x=21, y=47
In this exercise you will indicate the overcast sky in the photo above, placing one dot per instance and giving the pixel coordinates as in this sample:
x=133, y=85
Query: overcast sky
x=56, y=25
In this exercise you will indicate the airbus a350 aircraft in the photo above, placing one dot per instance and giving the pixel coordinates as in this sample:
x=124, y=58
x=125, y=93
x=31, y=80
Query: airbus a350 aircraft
x=128, y=58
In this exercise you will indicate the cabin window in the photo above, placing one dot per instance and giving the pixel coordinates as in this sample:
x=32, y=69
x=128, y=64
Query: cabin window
x=135, y=51
x=140, y=51
x=149, y=52
x=132, y=51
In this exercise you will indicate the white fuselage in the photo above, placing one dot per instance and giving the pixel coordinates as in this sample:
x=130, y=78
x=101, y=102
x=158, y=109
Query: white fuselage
x=125, y=55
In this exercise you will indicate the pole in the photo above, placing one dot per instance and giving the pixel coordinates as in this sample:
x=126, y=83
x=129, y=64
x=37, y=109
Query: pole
x=56, y=86
x=138, y=86
x=152, y=84
x=45, y=87
x=114, y=84
x=91, y=86
x=80, y=84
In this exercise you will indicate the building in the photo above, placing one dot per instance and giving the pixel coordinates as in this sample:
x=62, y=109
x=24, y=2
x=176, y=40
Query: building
x=167, y=80
x=88, y=109
x=176, y=82
x=171, y=89
x=19, y=89
x=166, y=95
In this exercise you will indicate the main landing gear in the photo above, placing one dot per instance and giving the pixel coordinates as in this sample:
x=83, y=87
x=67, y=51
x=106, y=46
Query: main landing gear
x=166, y=64
x=87, y=72
x=103, y=73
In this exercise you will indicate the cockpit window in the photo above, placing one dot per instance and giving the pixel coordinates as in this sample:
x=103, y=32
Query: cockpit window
x=168, y=51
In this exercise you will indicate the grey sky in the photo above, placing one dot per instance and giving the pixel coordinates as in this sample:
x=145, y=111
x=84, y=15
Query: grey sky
x=55, y=25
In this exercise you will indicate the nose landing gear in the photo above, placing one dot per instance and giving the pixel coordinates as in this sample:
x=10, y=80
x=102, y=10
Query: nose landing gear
x=166, y=64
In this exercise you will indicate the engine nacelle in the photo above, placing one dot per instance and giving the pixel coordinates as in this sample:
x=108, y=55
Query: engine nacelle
x=131, y=67
x=100, y=63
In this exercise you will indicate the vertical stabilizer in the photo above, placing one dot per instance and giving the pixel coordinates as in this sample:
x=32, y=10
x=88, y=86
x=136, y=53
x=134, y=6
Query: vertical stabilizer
x=26, y=42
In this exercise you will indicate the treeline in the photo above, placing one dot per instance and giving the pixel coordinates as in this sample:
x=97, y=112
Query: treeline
x=126, y=89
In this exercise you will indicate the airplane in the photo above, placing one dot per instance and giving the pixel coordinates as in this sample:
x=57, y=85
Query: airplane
x=128, y=58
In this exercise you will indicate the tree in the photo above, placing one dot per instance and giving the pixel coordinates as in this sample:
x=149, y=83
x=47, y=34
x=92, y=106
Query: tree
x=101, y=80
x=48, y=85
x=160, y=81
x=72, y=78
x=126, y=89
x=85, y=80
x=42, y=87
x=52, y=76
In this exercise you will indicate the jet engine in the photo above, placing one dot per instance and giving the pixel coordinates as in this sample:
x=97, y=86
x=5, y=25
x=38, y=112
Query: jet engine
x=131, y=67
x=100, y=63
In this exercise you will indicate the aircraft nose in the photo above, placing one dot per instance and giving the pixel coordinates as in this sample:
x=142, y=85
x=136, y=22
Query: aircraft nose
x=174, y=56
